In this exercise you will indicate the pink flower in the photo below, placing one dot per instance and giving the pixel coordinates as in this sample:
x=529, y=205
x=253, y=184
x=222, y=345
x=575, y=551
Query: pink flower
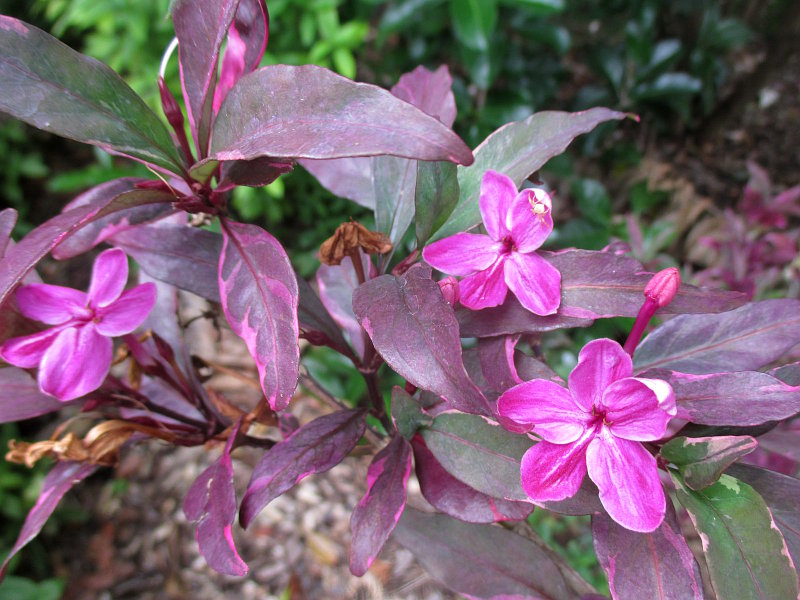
x=518, y=224
x=74, y=355
x=596, y=425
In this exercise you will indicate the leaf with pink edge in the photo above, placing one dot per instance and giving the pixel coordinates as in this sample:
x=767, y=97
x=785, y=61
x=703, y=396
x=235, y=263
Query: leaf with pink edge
x=702, y=460
x=743, y=339
x=22, y=398
x=58, y=482
x=455, y=498
x=376, y=515
x=8, y=218
x=259, y=295
x=311, y=112
x=745, y=552
x=415, y=331
x=316, y=323
x=787, y=373
x=51, y=86
x=481, y=561
x=314, y=448
x=647, y=565
x=407, y=414
x=211, y=503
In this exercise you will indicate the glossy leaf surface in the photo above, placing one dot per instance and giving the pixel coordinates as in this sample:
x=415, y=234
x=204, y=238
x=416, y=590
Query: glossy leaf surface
x=407, y=414
x=702, y=460
x=50, y=86
x=436, y=196
x=258, y=290
x=376, y=515
x=22, y=398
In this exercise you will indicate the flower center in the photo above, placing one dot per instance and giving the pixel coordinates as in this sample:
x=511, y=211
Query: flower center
x=599, y=417
x=507, y=245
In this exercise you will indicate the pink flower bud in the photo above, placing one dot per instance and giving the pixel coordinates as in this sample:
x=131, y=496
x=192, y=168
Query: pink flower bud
x=450, y=290
x=170, y=106
x=662, y=288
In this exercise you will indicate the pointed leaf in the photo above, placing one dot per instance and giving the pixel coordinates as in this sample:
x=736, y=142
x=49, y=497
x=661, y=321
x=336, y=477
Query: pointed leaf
x=782, y=495
x=259, y=296
x=517, y=150
x=435, y=198
x=788, y=373
x=314, y=113
x=415, y=331
x=455, y=498
x=314, y=319
x=742, y=398
x=211, y=502
x=647, y=565
x=745, y=552
x=314, y=448
x=481, y=561
x=8, y=218
x=429, y=91
x=746, y=338
x=20, y=259
x=183, y=256
x=58, y=482
x=702, y=460
x=407, y=414
x=395, y=181
x=50, y=86
x=376, y=515
x=201, y=26
x=21, y=397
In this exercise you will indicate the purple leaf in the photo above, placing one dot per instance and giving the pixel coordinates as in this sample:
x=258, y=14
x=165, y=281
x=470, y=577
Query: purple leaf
x=377, y=513
x=481, y=561
x=496, y=357
x=258, y=288
x=415, y=331
x=517, y=150
x=745, y=552
x=211, y=502
x=314, y=448
x=742, y=398
x=20, y=259
x=782, y=495
x=336, y=286
x=314, y=320
x=407, y=414
x=511, y=318
x=702, y=460
x=429, y=91
x=57, y=483
x=201, y=26
x=100, y=230
x=349, y=178
x=22, y=398
x=788, y=373
x=452, y=497
x=254, y=173
x=183, y=256
x=647, y=565
x=739, y=340
x=310, y=112
x=50, y=86
x=8, y=218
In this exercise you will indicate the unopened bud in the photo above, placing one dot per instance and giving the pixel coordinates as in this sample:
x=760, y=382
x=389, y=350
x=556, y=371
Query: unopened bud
x=450, y=290
x=662, y=288
x=170, y=106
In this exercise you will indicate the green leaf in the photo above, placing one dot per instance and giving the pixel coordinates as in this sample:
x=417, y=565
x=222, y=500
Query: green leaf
x=436, y=197
x=746, y=554
x=702, y=460
x=518, y=149
x=666, y=86
x=593, y=201
x=474, y=22
x=50, y=86
x=407, y=414
x=538, y=7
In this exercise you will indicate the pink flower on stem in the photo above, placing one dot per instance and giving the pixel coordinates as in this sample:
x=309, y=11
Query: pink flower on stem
x=596, y=426
x=74, y=355
x=517, y=224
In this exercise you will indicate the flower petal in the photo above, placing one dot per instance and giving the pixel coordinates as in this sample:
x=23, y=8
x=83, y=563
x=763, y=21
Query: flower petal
x=497, y=194
x=76, y=363
x=109, y=276
x=633, y=410
x=535, y=282
x=554, y=471
x=27, y=351
x=128, y=312
x=52, y=304
x=627, y=477
x=546, y=405
x=485, y=288
x=529, y=229
x=462, y=253
x=600, y=363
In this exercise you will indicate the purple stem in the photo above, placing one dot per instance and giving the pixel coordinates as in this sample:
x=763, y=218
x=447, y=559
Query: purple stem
x=646, y=313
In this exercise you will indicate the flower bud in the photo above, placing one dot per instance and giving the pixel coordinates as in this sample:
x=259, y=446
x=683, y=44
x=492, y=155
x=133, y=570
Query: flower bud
x=170, y=106
x=450, y=290
x=662, y=288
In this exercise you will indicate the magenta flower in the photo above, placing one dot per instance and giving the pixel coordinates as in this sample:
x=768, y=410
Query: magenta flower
x=596, y=425
x=74, y=355
x=518, y=224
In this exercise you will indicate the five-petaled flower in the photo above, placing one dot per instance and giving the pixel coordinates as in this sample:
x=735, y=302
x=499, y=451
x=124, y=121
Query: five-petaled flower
x=517, y=224
x=74, y=355
x=598, y=425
